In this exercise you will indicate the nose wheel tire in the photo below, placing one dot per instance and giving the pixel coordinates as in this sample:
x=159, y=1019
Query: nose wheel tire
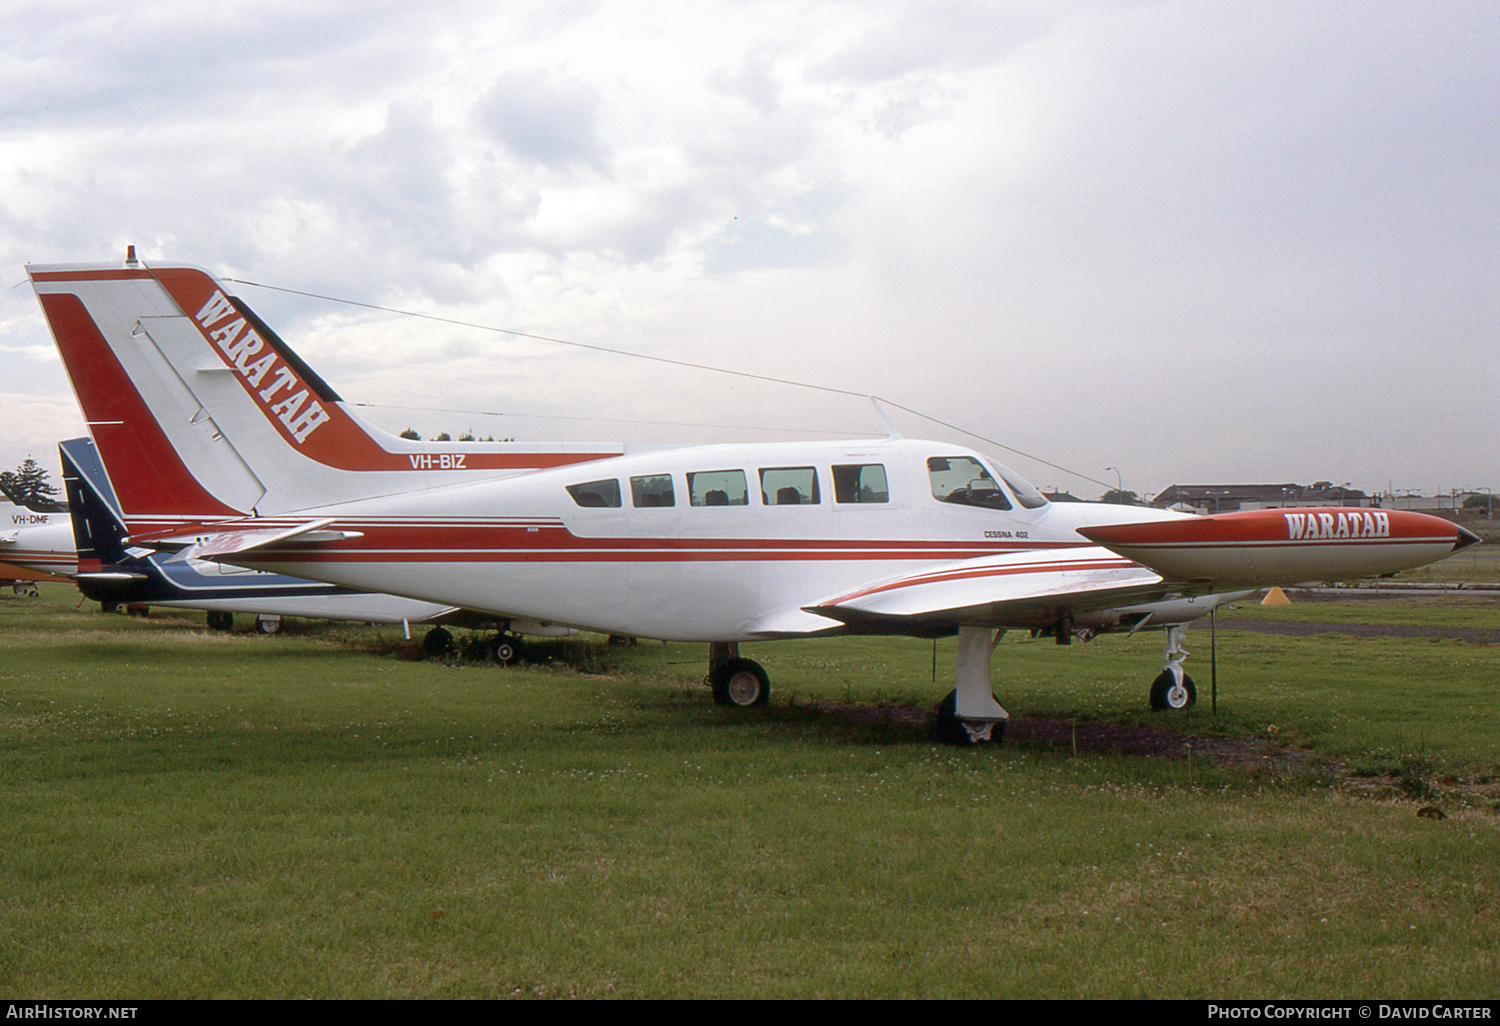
x=1168, y=695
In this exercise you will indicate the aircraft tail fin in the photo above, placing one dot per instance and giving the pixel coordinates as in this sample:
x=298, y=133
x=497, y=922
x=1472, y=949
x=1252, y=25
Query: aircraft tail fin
x=110, y=570
x=200, y=411
x=98, y=530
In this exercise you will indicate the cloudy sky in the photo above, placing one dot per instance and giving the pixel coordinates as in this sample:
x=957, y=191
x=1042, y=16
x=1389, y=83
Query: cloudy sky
x=1195, y=241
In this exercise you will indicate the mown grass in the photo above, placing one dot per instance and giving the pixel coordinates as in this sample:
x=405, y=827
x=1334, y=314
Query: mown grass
x=1479, y=563
x=317, y=815
x=1454, y=609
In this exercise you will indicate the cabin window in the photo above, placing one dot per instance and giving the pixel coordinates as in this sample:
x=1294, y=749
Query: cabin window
x=860, y=482
x=789, y=486
x=596, y=494
x=652, y=490
x=962, y=480
x=718, y=488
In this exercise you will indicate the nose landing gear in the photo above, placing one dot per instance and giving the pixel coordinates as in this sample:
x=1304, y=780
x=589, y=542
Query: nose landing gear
x=1173, y=689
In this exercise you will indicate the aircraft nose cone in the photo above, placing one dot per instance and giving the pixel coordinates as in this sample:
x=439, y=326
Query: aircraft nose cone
x=1465, y=538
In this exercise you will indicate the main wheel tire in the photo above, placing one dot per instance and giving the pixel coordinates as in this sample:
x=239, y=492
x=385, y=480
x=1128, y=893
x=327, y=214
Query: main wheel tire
x=950, y=730
x=1166, y=696
x=268, y=626
x=220, y=620
x=504, y=651
x=438, y=644
x=742, y=683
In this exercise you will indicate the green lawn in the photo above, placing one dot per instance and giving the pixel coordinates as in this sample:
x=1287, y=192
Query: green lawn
x=319, y=815
x=1475, y=563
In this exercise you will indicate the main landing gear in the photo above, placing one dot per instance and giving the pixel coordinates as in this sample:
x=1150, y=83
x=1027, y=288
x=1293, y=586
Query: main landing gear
x=438, y=643
x=969, y=714
x=735, y=681
x=501, y=649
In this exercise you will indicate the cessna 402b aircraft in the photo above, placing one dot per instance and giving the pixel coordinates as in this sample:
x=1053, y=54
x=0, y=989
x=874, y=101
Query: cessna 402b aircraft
x=252, y=460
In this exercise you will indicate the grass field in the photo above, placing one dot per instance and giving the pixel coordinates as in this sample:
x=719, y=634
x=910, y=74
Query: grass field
x=319, y=815
x=1476, y=563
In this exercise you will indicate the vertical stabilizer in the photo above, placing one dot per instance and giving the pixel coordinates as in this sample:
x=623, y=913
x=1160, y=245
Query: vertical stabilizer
x=202, y=412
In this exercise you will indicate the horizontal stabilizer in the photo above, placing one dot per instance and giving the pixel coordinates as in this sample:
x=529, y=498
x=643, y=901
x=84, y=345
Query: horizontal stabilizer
x=1284, y=546
x=223, y=541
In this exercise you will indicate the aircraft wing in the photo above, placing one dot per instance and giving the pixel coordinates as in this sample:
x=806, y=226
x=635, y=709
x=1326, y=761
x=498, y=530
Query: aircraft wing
x=1014, y=589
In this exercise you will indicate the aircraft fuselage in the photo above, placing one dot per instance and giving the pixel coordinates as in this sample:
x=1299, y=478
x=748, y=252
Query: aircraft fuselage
x=724, y=542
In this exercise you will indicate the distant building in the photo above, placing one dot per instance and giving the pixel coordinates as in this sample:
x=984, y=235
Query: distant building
x=1432, y=503
x=1228, y=498
x=1060, y=497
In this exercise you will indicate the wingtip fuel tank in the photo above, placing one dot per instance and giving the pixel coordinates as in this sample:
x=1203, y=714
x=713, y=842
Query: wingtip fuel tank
x=1285, y=546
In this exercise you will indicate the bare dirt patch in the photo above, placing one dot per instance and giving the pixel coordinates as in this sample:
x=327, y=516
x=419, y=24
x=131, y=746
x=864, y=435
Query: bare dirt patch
x=1073, y=736
x=1131, y=739
x=1258, y=755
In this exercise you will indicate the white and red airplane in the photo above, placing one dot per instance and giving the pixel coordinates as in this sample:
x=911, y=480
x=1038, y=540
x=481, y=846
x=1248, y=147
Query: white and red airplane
x=252, y=460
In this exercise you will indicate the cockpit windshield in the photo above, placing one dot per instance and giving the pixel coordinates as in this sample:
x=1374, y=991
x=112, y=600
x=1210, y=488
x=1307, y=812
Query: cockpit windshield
x=1025, y=492
x=965, y=481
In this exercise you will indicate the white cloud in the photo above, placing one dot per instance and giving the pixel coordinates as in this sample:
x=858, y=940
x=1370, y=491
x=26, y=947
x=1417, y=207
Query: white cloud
x=1193, y=240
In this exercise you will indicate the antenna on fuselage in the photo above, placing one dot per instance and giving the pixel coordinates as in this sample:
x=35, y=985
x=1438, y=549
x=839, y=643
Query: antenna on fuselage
x=890, y=429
